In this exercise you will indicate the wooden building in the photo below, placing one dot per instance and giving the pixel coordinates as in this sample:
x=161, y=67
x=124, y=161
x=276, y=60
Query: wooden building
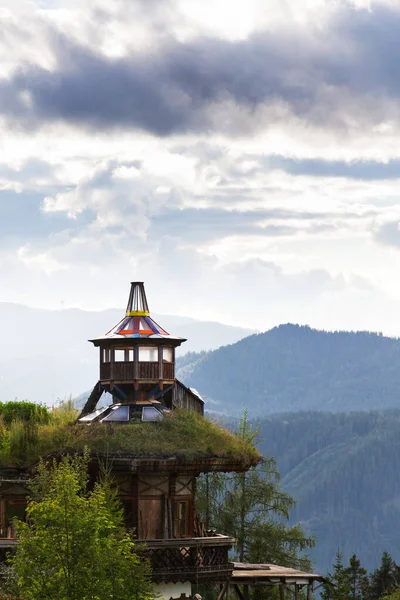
x=137, y=370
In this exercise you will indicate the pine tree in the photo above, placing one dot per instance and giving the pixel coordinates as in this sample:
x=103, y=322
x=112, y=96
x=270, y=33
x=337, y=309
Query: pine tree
x=338, y=586
x=386, y=579
x=358, y=578
x=251, y=507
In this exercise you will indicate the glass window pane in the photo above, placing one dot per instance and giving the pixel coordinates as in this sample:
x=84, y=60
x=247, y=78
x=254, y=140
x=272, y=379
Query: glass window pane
x=119, y=355
x=92, y=416
x=120, y=413
x=106, y=355
x=168, y=354
x=151, y=414
x=148, y=354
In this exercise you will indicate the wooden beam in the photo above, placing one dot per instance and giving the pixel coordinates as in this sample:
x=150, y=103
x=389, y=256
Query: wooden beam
x=93, y=399
x=223, y=590
x=237, y=591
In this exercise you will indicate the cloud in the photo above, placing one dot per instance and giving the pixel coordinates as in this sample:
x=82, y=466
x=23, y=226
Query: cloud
x=210, y=84
x=388, y=233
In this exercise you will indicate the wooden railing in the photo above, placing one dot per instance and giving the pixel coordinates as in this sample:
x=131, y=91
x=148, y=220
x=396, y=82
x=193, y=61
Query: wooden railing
x=190, y=559
x=7, y=533
x=125, y=371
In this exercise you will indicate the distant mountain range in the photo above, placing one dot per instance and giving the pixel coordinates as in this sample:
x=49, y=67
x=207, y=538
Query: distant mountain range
x=45, y=355
x=292, y=368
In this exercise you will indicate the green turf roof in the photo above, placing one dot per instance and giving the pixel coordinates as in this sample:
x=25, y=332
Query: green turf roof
x=181, y=434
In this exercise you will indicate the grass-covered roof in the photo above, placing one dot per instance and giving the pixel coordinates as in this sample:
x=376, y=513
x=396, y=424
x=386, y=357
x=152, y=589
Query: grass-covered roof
x=181, y=434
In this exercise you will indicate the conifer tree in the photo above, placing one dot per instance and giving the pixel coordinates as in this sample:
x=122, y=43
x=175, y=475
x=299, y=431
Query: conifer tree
x=385, y=579
x=358, y=578
x=251, y=507
x=338, y=586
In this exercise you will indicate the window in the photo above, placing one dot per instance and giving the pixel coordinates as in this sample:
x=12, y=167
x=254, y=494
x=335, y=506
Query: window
x=148, y=354
x=92, y=416
x=168, y=354
x=119, y=355
x=180, y=518
x=118, y=414
x=151, y=414
x=106, y=355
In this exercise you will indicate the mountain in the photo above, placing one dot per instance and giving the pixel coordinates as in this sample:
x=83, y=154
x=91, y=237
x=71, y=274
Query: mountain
x=343, y=470
x=292, y=368
x=45, y=355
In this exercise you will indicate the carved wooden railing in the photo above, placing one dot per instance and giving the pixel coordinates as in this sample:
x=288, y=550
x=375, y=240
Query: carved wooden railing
x=190, y=559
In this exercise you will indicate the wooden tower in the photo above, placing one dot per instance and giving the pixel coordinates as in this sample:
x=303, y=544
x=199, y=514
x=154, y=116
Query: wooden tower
x=137, y=367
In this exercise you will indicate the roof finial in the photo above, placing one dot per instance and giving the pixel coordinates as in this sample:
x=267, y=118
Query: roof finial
x=137, y=303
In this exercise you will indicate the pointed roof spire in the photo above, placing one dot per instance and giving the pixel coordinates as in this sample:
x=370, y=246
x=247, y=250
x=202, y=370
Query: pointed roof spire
x=137, y=322
x=137, y=303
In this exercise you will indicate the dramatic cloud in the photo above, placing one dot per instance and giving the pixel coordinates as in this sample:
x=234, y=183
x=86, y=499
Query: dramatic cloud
x=346, y=77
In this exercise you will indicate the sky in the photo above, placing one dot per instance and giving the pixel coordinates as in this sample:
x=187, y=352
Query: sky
x=241, y=157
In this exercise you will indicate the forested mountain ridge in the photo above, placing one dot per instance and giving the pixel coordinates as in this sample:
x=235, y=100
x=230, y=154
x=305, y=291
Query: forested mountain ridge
x=292, y=368
x=343, y=470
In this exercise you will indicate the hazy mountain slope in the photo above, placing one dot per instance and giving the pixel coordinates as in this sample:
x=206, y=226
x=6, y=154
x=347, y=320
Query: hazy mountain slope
x=45, y=354
x=291, y=368
x=343, y=470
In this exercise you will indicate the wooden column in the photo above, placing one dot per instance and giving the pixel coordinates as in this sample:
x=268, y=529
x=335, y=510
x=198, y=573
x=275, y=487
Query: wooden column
x=136, y=366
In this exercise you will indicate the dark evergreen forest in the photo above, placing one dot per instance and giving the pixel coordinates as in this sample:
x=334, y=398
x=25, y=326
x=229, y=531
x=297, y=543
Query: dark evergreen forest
x=343, y=470
x=292, y=368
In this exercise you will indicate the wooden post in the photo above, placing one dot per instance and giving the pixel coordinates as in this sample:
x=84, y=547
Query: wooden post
x=296, y=592
x=160, y=364
x=222, y=590
x=238, y=591
x=136, y=365
x=281, y=592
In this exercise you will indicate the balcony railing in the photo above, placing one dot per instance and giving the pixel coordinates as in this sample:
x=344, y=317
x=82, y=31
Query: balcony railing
x=190, y=559
x=125, y=371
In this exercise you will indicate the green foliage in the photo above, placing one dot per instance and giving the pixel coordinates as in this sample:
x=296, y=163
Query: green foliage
x=339, y=584
x=354, y=583
x=386, y=579
x=293, y=368
x=252, y=507
x=181, y=433
x=73, y=546
x=23, y=411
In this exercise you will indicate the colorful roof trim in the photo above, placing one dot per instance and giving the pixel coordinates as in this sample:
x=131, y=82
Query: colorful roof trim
x=137, y=322
x=136, y=327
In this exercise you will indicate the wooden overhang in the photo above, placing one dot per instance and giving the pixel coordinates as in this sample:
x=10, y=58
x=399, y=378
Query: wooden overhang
x=176, y=464
x=270, y=574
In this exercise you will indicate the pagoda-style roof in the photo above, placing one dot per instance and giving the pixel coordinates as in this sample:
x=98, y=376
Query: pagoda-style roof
x=137, y=322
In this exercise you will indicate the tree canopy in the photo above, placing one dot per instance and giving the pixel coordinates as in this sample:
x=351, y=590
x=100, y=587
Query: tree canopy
x=73, y=545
